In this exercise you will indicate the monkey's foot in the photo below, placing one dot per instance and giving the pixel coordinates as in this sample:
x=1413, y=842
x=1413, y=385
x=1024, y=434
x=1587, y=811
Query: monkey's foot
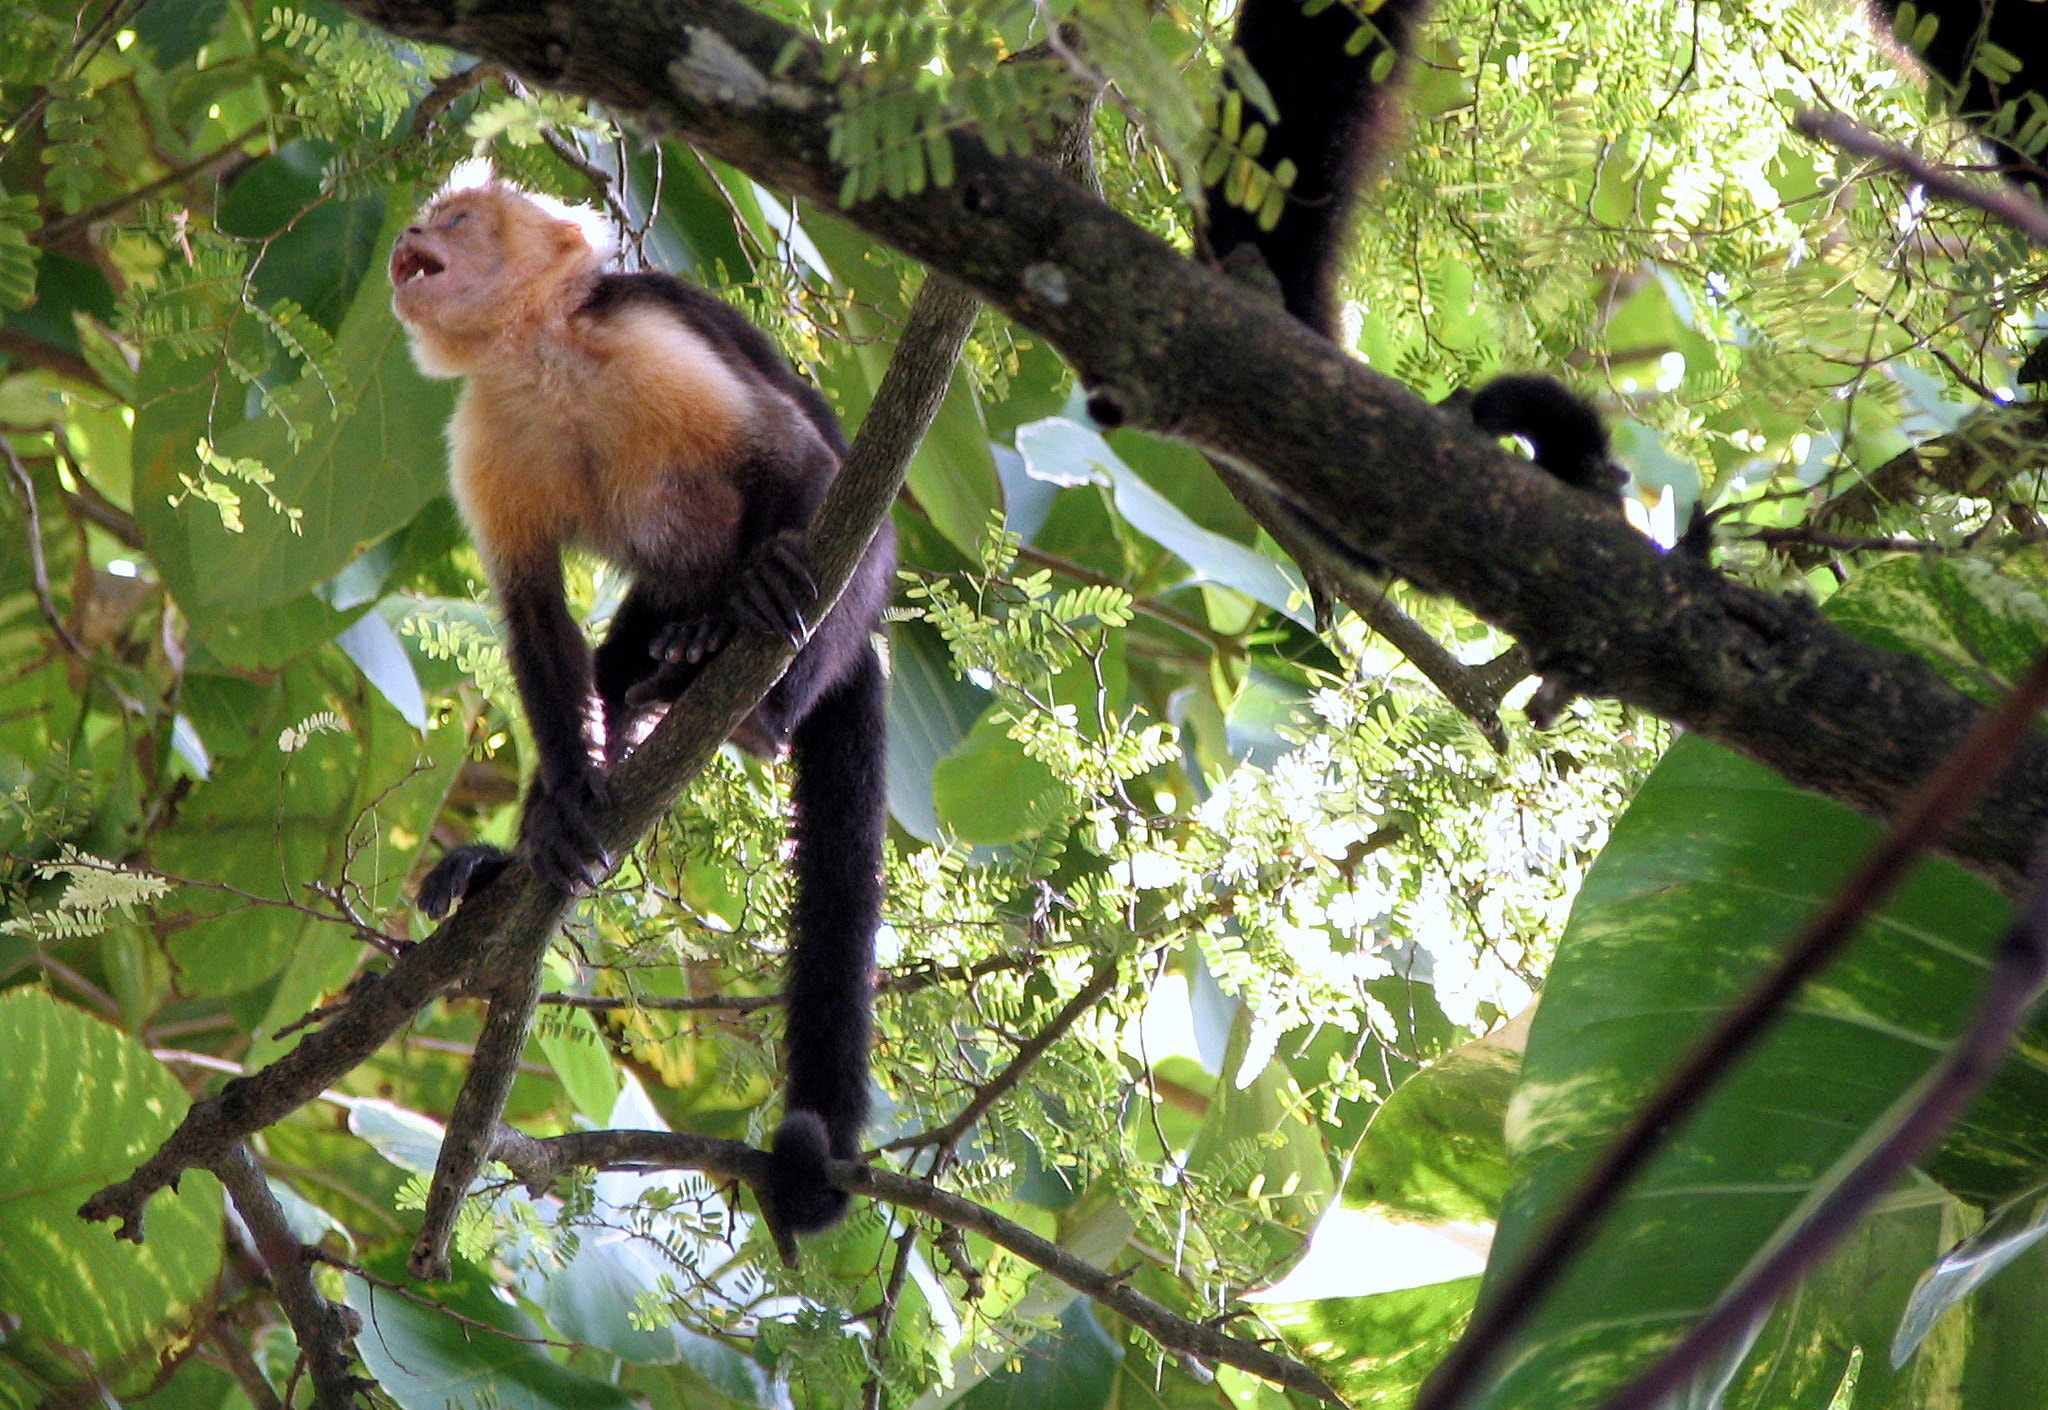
x=690, y=641
x=460, y=875
x=558, y=835
x=770, y=593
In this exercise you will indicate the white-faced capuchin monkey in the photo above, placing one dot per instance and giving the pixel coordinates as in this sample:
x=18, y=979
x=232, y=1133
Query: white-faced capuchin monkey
x=648, y=422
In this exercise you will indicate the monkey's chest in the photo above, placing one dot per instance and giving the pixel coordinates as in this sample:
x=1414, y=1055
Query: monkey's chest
x=542, y=468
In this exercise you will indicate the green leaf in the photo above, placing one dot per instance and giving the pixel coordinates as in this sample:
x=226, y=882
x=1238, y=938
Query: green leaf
x=355, y=797
x=1074, y=1368
x=989, y=791
x=1713, y=867
x=577, y=1052
x=1377, y=1350
x=426, y=1360
x=1259, y=1124
x=2009, y=1233
x=86, y=1105
x=381, y=657
x=1435, y=1149
x=931, y=711
x=1066, y=453
x=364, y=468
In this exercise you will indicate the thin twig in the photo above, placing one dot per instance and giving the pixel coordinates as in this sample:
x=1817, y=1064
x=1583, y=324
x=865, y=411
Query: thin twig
x=2008, y=207
x=446, y=90
x=996, y=1088
x=39, y=573
x=885, y=1316
x=907, y=980
x=57, y=231
x=540, y=1162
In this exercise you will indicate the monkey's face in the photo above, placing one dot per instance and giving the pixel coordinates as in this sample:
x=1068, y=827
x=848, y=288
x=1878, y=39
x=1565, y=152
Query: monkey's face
x=446, y=268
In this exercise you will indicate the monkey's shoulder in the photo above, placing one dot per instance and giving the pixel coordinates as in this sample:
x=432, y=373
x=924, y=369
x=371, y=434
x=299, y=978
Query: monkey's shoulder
x=723, y=330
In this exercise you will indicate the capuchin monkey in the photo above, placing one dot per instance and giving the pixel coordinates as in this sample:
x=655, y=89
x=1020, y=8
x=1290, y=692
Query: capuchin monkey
x=646, y=421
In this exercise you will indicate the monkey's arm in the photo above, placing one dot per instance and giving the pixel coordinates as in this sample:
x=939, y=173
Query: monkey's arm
x=551, y=665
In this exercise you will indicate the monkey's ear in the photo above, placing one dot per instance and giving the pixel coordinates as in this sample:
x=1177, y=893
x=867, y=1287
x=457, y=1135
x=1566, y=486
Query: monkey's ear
x=567, y=237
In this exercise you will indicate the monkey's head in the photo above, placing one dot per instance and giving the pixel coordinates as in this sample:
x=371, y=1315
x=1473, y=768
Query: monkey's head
x=483, y=257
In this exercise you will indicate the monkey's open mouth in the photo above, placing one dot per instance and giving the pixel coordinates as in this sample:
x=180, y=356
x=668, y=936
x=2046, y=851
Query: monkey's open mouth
x=410, y=264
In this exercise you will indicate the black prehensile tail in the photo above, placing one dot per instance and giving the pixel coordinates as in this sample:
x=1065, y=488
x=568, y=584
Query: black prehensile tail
x=1332, y=75
x=840, y=796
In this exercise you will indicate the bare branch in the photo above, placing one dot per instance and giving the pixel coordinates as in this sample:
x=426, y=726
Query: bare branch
x=2002, y=204
x=541, y=1162
x=326, y=1331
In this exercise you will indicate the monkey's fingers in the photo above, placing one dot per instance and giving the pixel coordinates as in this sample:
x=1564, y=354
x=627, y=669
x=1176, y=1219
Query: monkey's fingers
x=776, y=587
x=458, y=876
x=662, y=686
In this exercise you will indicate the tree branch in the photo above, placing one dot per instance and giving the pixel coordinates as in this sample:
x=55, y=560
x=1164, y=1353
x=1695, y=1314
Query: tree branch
x=1362, y=462
x=326, y=1331
x=540, y=1162
x=1028, y=1052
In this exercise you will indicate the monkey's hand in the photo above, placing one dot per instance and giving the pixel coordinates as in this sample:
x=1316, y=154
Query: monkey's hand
x=770, y=593
x=558, y=834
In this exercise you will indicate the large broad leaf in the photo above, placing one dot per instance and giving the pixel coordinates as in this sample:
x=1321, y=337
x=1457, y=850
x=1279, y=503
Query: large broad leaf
x=1376, y=1350
x=1071, y=1369
x=1710, y=872
x=316, y=777
x=1065, y=452
x=85, y=1104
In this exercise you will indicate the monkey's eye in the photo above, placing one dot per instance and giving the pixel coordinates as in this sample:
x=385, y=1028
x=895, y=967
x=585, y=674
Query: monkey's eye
x=457, y=219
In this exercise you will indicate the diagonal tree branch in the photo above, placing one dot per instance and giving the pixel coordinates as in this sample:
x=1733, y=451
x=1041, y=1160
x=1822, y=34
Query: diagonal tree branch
x=326, y=1331
x=1363, y=463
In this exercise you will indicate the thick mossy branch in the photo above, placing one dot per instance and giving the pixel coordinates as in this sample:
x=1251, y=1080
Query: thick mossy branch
x=1374, y=470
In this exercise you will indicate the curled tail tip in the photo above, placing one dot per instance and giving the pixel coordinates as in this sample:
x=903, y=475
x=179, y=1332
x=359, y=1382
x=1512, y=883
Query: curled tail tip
x=801, y=1194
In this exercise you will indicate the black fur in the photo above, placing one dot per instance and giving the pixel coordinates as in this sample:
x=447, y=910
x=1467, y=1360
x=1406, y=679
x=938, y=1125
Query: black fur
x=1564, y=432
x=1332, y=113
x=828, y=709
x=2020, y=27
